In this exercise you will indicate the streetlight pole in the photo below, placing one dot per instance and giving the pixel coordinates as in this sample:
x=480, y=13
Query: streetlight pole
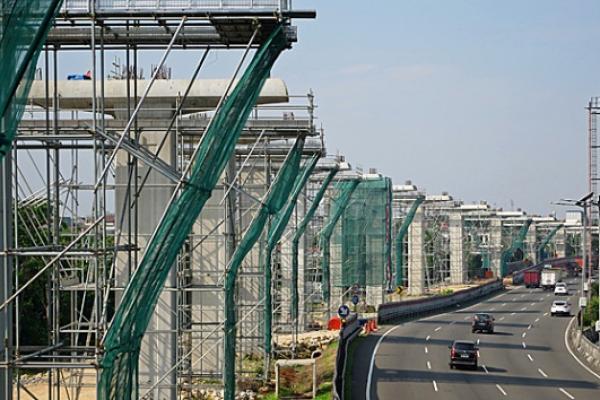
x=584, y=263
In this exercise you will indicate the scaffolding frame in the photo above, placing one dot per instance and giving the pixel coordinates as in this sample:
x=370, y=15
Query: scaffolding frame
x=86, y=275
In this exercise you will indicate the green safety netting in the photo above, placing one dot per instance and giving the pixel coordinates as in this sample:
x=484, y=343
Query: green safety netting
x=273, y=202
x=276, y=229
x=517, y=243
x=345, y=191
x=542, y=250
x=298, y=234
x=399, y=239
x=24, y=26
x=363, y=243
x=119, y=378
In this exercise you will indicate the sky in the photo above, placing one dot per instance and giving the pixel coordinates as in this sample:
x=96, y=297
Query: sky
x=482, y=99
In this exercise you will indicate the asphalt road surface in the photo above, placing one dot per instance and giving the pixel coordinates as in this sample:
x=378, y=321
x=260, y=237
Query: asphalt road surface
x=526, y=358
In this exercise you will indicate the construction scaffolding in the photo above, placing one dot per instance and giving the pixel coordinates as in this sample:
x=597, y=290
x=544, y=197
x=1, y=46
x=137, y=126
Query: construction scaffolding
x=96, y=161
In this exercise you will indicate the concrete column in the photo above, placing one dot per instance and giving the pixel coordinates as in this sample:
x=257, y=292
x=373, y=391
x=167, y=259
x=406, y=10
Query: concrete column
x=495, y=244
x=416, y=257
x=374, y=295
x=559, y=240
x=531, y=243
x=458, y=269
x=6, y=276
x=159, y=346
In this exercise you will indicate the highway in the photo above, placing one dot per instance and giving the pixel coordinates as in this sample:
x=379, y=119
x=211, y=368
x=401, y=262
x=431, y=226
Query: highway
x=525, y=359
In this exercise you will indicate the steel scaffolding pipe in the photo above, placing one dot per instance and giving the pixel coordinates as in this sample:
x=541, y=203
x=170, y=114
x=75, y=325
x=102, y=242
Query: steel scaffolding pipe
x=399, y=240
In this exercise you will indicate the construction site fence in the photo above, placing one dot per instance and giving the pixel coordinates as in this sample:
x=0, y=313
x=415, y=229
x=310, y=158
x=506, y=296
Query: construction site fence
x=413, y=308
x=348, y=333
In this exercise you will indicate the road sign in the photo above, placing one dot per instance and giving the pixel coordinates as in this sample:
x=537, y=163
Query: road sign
x=355, y=299
x=582, y=302
x=343, y=311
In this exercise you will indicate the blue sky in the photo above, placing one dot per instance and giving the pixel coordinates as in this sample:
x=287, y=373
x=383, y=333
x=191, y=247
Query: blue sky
x=483, y=99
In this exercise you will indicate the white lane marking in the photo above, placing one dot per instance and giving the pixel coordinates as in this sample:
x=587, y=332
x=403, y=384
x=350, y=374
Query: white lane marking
x=372, y=364
x=545, y=314
x=530, y=358
x=523, y=295
x=477, y=342
x=428, y=365
x=542, y=373
x=485, y=369
x=492, y=309
x=437, y=329
x=452, y=323
x=503, y=304
x=524, y=345
x=524, y=334
x=569, y=395
x=427, y=338
x=537, y=320
x=512, y=313
x=532, y=304
x=426, y=350
x=529, y=327
x=573, y=354
x=524, y=308
x=435, y=386
x=501, y=319
x=501, y=390
x=467, y=317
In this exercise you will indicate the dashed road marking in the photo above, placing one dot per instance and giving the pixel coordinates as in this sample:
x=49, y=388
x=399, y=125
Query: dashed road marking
x=435, y=386
x=426, y=350
x=569, y=395
x=537, y=320
x=492, y=309
x=530, y=358
x=524, y=308
x=529, y=327
x=524, y=334
x=466, y=318
x=427, y=338
x=437, y=329
x=532, y=304
x=477, y=342
x=485, y=369
x=545, y=314
x=503, y=304
x=501, y=390
x=524, y=345
x=428, y=365
x=501, y=319
x=512, y=313
x=542, y=373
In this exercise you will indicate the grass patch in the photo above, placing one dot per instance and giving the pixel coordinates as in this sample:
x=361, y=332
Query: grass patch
x=296, y=382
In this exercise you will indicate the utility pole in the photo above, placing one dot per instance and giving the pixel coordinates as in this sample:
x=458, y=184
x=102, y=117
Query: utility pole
x=585, y=262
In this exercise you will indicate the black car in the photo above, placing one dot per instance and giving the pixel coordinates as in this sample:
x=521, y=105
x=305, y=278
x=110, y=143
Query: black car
x=463, y=352
x=483, y=323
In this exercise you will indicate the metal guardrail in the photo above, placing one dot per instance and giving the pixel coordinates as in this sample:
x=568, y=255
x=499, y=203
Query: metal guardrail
x=406, y=309
x=347, y=334
x=157, y=5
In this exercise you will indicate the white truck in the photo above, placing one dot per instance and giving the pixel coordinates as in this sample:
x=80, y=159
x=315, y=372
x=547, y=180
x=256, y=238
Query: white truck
x=550, y=276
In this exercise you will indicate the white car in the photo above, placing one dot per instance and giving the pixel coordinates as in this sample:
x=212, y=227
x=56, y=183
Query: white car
x=560, y=307
x=561, y=289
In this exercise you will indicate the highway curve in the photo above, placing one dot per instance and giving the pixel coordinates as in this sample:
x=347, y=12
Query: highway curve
x=525, y=359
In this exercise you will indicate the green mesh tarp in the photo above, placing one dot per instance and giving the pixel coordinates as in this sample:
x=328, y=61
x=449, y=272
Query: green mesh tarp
x=24, y=26
x=363, y=239
x=273, y=202
x=298, y=234
x=277, y=228
x=123, y=339
x=338, y=205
